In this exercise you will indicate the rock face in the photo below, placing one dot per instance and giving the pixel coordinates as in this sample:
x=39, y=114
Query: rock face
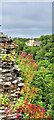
x=10, y=77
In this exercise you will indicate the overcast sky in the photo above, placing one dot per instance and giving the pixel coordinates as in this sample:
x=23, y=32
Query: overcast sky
x=26, y=19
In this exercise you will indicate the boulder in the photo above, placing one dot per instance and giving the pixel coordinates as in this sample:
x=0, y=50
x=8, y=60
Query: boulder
x=19, y=79
x=21, y=84
x=7, y=83
x=15, y=81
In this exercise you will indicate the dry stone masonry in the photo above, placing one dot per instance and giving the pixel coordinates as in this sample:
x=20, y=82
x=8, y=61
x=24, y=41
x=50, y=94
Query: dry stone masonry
x=10, y=77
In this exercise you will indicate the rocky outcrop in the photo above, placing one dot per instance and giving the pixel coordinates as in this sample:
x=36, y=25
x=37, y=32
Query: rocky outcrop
x=10, y=76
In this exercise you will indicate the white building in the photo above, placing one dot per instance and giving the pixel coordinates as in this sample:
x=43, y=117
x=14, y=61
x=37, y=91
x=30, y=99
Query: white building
x=33, y=43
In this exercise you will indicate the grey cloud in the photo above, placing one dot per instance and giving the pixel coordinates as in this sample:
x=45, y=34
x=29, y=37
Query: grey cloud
x=53, y=18
x=27, y=0
x=27, y=18
x=0, y=16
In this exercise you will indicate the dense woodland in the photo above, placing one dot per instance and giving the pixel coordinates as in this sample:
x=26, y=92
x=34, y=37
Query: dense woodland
x=41, y=58
x=36, y=74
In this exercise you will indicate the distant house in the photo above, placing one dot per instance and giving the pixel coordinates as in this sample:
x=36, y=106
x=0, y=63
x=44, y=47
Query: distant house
x=33, y=42
x=37, y=43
